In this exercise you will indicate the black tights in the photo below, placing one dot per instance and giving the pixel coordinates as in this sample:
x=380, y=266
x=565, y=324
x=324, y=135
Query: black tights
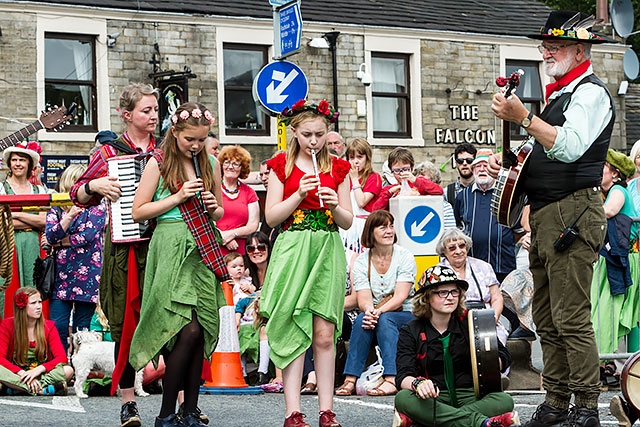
x=183, y=367
x=128, y=374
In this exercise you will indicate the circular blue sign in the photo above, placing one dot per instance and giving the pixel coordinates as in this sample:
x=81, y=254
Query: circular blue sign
x=422, y=224
x=278, y=85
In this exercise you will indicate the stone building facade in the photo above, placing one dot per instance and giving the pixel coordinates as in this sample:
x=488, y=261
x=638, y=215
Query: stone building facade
x=451, y=71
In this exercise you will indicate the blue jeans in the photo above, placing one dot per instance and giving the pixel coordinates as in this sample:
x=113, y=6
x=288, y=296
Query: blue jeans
x=60, y=312
x=386, y=333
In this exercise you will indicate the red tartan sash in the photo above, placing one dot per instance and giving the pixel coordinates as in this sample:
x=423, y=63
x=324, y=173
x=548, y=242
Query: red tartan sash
x=199, y=224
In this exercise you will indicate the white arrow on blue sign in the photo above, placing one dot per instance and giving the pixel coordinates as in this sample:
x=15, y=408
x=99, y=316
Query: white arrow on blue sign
x=287, y=30
x=278, y=85
x=422, y=224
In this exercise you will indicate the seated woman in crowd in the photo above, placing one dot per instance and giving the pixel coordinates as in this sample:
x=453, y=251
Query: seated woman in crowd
x=382, y=278
x=484, y=289
x=242, y=209
x=32, y=359
x=434, y=362
x=75, y=233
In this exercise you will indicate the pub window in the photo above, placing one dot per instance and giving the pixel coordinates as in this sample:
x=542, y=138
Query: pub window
x=529, y=91
x=70, y=76
x=390, y=94
x=241, y=64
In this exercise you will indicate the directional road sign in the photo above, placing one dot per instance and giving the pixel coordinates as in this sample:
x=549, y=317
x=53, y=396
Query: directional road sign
x=287, y=30
x=278, y=85
x=276, y=3
x=422, y=224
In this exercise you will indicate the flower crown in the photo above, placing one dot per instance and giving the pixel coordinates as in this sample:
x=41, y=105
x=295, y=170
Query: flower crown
x=322, y=108
x=30, y=145
x=196, y=113
x=22, y=299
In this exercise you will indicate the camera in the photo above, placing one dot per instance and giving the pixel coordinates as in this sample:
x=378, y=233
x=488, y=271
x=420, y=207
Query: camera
x=566, y=239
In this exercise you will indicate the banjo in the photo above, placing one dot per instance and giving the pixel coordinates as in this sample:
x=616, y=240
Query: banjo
x=483, y=343
x=508, y=199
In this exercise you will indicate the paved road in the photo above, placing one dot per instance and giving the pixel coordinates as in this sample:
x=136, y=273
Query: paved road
x=226, y=410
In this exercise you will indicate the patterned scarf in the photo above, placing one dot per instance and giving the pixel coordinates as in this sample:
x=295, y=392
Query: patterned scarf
x=566, y=79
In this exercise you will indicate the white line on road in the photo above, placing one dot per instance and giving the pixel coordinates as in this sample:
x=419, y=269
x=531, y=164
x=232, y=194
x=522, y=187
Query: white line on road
x=361, y=403
x=59, y=403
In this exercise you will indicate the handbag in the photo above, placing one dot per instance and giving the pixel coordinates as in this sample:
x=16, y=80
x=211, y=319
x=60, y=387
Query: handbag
x=44, y=274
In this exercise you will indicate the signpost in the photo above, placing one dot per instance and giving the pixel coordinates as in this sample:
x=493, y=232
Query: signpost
x=287, y=29
x=278, y=85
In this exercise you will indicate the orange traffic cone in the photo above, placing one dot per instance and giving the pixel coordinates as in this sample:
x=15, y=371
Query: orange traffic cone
x=226, y=366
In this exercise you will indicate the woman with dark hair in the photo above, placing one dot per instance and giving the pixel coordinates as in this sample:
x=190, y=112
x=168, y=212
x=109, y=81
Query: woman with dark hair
x=258, y=250
x=382, y=278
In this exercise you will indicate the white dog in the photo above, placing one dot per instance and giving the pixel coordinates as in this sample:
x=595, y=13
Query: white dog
x=91, y=353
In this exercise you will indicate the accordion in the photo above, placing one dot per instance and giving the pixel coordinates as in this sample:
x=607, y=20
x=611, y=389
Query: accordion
x=128, y=170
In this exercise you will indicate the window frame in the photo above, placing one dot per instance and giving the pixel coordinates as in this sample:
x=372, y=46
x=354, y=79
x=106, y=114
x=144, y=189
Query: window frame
x=405, y=96
x=516, y=132
x=93, y=127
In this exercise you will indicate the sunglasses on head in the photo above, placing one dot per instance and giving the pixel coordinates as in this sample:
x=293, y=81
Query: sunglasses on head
x=260, y=248
x=467, y=161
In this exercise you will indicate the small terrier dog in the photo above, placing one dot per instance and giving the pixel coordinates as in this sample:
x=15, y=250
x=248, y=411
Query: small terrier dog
x=90, y=353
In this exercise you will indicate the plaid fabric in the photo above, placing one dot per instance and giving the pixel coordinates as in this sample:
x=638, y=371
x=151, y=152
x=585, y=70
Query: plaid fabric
x=203, y=231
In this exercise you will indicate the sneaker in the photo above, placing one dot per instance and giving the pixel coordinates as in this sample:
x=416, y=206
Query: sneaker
x=625, y=414
x=262, y=378
x=547, y=415
x=192, y=420
x=296, y=419
x=204, y=419
x=504, y=420
x=172, y=420
x=129, y=415
x=274, y=387
x=401, y=420
x=521, y=333
x=328, y=419
x=582, y=417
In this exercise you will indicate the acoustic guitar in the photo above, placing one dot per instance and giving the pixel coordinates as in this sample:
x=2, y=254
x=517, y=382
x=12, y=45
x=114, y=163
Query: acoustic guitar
x=508, y=198
x=53, y=119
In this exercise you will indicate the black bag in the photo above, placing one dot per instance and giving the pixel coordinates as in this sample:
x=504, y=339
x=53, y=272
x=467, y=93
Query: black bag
x=44, y=274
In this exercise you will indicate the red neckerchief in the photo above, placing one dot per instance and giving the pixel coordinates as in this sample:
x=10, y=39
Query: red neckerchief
x=566, y=79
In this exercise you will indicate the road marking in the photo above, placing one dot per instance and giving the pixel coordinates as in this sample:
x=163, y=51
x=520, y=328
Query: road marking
x=59, y=403
x=361, y=403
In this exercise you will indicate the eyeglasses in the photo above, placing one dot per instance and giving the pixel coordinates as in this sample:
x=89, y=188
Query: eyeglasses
x=260, y=248
x=227, y=163
x=552, y=48
x=399, y=171
x=468, y=161
x=444, y=293
x=453, y=246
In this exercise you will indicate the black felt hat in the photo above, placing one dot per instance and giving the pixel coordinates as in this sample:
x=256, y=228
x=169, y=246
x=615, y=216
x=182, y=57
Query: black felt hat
x=569, y=25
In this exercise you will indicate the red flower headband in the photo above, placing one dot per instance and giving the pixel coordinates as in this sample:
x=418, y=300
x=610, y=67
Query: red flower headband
x=322, y=108
x=22, y=299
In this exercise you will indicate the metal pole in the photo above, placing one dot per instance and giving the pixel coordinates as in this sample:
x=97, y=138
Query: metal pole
x=332, y=38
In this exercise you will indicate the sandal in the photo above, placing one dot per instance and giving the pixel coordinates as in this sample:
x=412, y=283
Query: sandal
x=309, y=388
x=347, y=388
x=379, y=391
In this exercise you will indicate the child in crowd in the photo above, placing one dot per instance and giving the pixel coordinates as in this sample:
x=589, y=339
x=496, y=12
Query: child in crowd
x=32, y=359
x=242, y=286
x=309, y=195
x=401, y=163
x=253, y=340
x=179, y=313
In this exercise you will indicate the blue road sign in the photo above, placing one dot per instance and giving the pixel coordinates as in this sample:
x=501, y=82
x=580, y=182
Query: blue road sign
x=422, y=224
x=278, y=85
x=287, y=30
x=276, y=3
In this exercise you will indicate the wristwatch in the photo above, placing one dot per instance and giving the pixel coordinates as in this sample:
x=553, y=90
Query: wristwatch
x=526, y=122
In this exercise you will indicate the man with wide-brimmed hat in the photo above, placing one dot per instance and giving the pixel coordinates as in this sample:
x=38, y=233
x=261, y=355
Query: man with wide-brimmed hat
x=562, y=179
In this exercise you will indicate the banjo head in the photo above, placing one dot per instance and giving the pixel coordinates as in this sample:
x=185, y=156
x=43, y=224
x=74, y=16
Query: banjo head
x=630, y=380
x=485, y=360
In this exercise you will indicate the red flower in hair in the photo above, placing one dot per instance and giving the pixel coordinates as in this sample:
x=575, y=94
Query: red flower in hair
x=298, y=105
x=323, y=107
x=22, y=299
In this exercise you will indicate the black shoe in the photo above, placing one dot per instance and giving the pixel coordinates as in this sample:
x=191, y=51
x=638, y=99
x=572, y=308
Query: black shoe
x=625, y=414
x=262, y=379
x=522, y=334
x=547, y=415
x=129, y=415
x=204, y=419
x=172, y=420
x=192, y=420
x=582, y=417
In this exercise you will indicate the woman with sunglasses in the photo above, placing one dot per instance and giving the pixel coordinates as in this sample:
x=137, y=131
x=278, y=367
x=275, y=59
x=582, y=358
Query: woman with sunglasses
x=242, y=214
x=484, y=287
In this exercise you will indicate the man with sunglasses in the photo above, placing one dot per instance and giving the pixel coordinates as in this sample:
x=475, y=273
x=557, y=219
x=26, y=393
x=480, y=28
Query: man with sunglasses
x=562, y=178
x=464, y=155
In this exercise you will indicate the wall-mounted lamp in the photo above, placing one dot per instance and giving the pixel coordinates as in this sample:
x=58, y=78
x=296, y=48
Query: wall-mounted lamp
x=111, y=39
x=318, y=43
x=363, y=75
